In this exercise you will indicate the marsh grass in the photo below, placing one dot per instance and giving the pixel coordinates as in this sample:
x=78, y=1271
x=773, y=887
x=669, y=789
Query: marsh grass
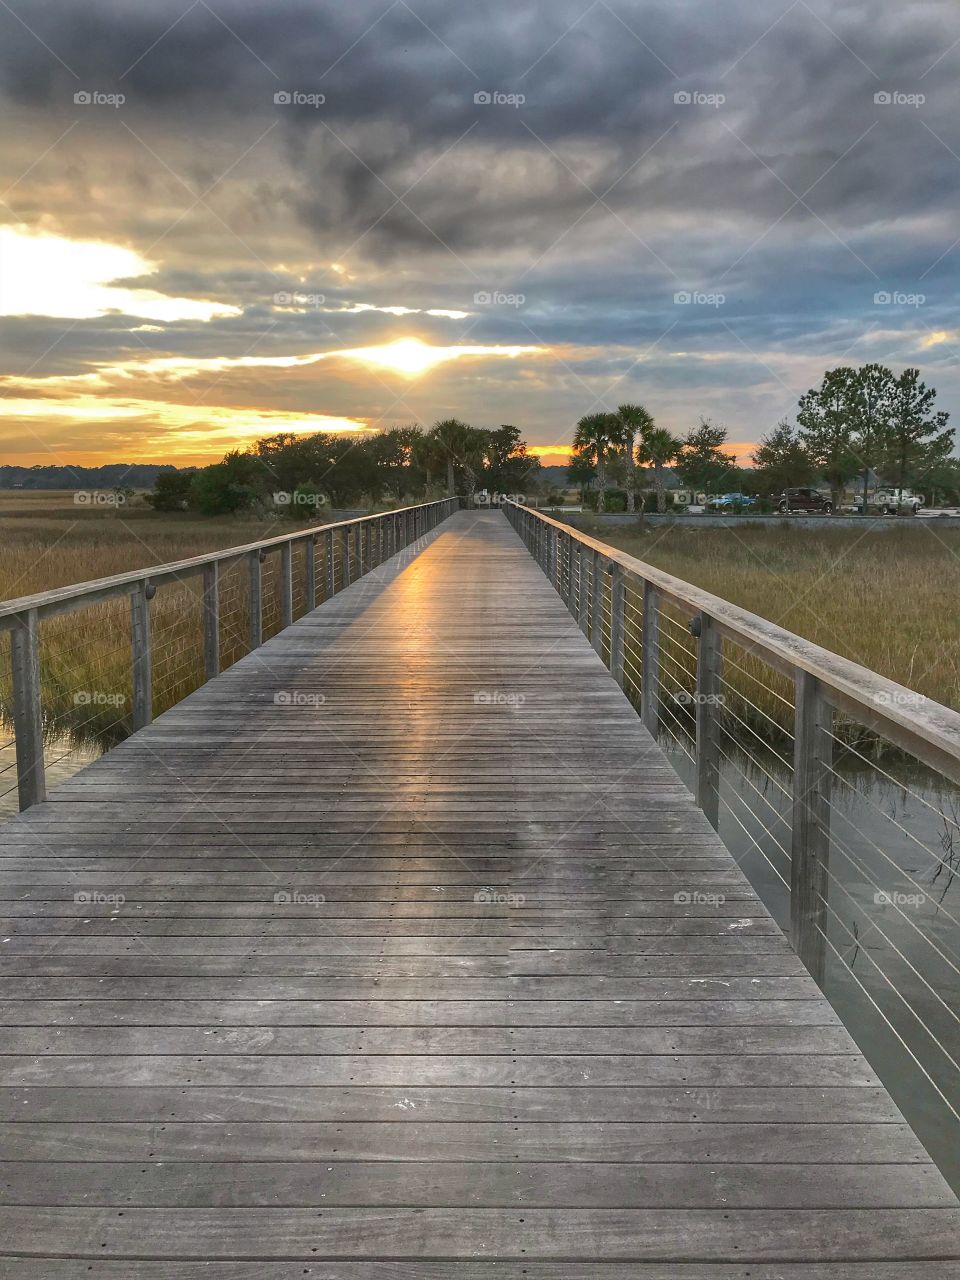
x=85, y=657
x=886, y=598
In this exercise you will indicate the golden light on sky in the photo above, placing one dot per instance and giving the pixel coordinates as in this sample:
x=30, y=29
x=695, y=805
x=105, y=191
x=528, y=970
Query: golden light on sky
x=408, y=356
x=49, y=275
x=412, y=357
x=93, y=429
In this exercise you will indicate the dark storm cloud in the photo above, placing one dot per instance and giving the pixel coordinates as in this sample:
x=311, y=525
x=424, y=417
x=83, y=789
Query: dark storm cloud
x=696, y=197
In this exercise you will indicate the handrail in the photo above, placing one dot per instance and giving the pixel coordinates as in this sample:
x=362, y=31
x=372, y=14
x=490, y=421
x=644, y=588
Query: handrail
x=361, y=541
x=917, y=723
x=578, y=566
x=63, y=599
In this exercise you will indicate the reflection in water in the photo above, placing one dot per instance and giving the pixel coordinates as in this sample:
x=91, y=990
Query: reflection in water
x=63, y=756
x=893, y=907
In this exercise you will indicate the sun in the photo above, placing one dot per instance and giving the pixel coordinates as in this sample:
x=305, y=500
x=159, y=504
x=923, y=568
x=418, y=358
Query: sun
x=411, y=357
x=406, y=355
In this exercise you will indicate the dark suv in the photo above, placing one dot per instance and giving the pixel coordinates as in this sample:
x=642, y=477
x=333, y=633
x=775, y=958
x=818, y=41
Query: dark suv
x=804, y=500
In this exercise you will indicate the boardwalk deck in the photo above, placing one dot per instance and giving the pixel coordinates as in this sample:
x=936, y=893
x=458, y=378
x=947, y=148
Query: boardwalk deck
x=399, y=986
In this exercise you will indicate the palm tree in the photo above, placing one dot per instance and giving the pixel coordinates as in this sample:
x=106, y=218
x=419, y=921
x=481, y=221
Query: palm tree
x=657, y=448
x=595, y=436
x=428, y=453
x=460, y=446
x=581, y=471
x=635, y=419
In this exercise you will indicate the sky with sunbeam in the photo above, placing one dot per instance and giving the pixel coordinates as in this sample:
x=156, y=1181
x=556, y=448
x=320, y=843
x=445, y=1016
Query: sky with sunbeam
x=221, y=220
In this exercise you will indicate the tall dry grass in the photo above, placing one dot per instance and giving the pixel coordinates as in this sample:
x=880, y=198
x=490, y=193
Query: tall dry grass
x=49, y=541
x=886, y=598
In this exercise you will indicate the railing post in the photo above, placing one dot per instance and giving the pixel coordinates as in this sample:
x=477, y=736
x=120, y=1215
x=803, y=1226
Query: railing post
x=596, y=604
x=330, y=552
x=617, y=595
x=568, y=538
x=358, y=550
x=707, y=700
x=310, y=574
x=255, y=572
x=583, y=598
x=650, y=659
x=142, y=656
x=211, y=620
x=810, y=835
x=345, y=576
x=27, y=712
x=286, y=584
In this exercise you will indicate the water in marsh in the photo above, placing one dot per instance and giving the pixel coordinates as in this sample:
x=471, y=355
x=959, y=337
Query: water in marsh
x=893, y=958
x=893, y=894
x=63, y=755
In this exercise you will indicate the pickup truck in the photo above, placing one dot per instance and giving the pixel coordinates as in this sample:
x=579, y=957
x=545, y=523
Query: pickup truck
x=731, y=502
x=890, y=502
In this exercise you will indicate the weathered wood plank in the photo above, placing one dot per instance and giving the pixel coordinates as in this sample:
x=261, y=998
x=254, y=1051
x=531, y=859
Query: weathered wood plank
x=588, y=1234
x=632, y=1143
x=480, y=1184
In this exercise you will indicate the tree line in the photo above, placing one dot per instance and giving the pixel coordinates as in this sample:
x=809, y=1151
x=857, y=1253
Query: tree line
x=112, y=475
x=859, y=424
x=288, y=473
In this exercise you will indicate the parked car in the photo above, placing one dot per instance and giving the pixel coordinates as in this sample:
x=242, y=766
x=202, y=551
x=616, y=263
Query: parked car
x=804, y=500
x=731, y=502
x=891, y=502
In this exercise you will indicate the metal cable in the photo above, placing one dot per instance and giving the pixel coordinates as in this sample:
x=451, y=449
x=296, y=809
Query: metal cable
x=856, y=978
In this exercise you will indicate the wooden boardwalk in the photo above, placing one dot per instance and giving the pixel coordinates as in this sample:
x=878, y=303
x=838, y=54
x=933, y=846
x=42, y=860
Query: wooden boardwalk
x=395, y=952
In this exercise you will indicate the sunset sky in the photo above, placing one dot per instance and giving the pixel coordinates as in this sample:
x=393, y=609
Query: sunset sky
x=222, y=220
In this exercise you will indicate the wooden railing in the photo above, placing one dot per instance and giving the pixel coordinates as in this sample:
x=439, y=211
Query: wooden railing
x=623, y=605
x=329, y=558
